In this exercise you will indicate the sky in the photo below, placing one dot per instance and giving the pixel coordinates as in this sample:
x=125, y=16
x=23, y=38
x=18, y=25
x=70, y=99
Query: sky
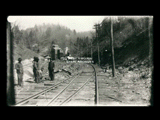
x=79, y=23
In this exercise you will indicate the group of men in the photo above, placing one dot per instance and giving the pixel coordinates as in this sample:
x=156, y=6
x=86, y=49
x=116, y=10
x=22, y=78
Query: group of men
x=36, y=71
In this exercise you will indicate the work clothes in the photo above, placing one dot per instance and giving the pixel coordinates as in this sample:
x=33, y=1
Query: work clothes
x=35, y=71
x=51, y=70
x=19, y=68
x=53, y=54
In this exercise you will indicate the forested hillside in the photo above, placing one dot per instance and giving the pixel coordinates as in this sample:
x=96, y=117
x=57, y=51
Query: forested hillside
x=39, y=38
x=130, y=36
x=131, y=40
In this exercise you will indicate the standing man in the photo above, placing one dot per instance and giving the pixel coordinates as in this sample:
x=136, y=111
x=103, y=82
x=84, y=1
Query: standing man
x=35, y=69
x=51, y=69
x=53, y=57
x=19, y=68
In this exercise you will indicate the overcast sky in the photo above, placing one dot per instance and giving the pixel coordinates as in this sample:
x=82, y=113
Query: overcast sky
x=79, y=23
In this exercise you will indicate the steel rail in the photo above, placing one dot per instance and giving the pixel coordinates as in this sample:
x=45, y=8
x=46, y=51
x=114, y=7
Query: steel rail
x=96, y=87
x=67, y=99
x=61, y=92
x=97, y=91
x=40, y=93
x=36, y=95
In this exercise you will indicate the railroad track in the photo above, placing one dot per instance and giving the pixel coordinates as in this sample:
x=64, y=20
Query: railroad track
x=74, y=90
x=38, y=94
x=69, y=91
x=62, y=92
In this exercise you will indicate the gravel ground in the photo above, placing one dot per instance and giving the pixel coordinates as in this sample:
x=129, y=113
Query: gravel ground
x=131, y=87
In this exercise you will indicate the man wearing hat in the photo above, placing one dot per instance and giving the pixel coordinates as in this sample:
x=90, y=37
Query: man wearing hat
x=53, y=52
x=19, y=68
x=35, y=69
x=51, y=69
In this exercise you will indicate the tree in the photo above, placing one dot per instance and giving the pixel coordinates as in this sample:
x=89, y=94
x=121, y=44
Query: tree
x=74, y=32
x=48, y=33
x=17, y=34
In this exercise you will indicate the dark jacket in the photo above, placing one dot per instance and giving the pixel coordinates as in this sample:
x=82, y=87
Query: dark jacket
x=35, y=66
x=51, y=65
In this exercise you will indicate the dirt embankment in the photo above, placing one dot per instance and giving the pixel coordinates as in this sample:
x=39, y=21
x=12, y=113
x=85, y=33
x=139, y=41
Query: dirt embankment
x=134, y=82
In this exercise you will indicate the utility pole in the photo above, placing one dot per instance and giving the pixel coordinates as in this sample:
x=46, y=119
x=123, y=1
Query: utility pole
x=78, y=46
x=98, y=54
x=80, y=50
x=91, y=49
x=112, y=48
x=87, y=49
x=97, y=27
x=70, y=44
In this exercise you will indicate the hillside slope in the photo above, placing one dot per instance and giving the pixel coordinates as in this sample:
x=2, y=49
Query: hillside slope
x=131, y=41
x=135, y=50
x=23, y=52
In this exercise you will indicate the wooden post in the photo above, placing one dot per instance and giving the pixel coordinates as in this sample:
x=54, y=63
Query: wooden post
x=80, y=51
x=78, y=47
x=70, y=45
x=10, y=74
x=87, y=49
x=97, y=26
x=99, y=62
x=98, y=54
x=98, y=44
x=91, y=50
x=112, y=48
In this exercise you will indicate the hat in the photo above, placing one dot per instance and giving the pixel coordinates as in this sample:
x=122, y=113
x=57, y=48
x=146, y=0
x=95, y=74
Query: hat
x=19, y=59
x=36, y=59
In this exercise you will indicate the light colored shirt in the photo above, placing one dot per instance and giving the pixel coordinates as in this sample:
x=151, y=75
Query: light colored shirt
x=19, y=67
